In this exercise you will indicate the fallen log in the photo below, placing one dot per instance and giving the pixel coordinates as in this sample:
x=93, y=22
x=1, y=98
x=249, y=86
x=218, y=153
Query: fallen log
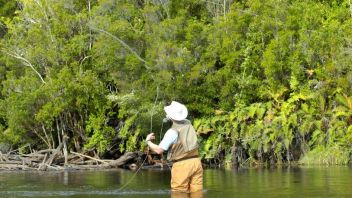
x=89, y=157
x=45, y=151
x=11, y=162
x=53, y=159
x=26, y=161
x=33, y=155
x=43, y=166
x=123, y=159
x=55, y=168
x=54, y=155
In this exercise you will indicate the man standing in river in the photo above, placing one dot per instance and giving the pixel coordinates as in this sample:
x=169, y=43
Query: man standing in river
x=181, y=141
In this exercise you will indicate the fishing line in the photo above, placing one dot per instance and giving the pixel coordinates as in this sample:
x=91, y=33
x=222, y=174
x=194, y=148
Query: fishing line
x=151, y=115
x=134, y=175
x=151, y=128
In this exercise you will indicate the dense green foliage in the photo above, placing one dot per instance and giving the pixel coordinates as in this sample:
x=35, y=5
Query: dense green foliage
x=265, y=81
x=7, y=10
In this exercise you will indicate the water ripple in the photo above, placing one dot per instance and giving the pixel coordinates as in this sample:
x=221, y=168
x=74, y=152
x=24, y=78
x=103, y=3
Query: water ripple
x=71, y=193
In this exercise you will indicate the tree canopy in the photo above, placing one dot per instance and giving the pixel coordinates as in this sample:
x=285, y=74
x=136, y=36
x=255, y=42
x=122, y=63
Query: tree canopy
x=264, y=81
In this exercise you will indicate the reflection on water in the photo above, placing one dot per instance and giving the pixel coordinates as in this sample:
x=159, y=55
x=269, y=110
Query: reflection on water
x=332, y=182
x=187, y=195
x=81, y=193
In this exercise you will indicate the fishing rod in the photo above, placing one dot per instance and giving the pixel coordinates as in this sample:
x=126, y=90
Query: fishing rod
x=155, y=101
x=146, y=156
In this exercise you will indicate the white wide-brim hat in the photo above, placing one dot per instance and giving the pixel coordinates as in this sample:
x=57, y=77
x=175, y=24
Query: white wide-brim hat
x=176, y=111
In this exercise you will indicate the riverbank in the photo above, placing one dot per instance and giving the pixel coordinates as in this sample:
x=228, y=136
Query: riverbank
x=53, y=160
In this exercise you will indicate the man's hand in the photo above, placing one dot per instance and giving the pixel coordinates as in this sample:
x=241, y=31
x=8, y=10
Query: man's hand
x=150, y=137
x=153, y=146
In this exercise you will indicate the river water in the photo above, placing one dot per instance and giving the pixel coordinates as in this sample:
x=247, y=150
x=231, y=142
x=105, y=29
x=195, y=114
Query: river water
x=329, y=182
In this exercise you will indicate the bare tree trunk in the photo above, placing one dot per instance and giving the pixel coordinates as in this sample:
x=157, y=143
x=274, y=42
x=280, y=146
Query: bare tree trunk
x=77, y=144
x=47, y=137
x=90, y=31
x=64, y=139
x=26, y=62
x=58, y=131
x=42, y=138
x=52, y=138
x=43, y=9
